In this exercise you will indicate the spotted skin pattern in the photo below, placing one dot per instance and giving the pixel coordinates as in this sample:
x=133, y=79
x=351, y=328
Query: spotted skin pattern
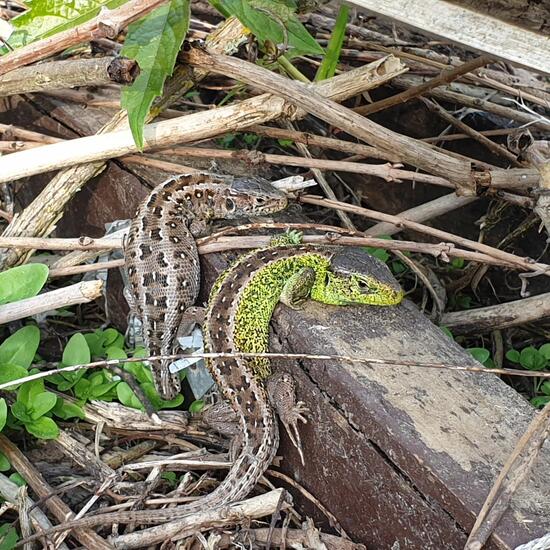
x=238, y=316
x=162, y=257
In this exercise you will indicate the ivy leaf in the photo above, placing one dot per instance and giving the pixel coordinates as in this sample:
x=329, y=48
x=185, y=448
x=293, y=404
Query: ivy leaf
x=66, y=409
x=22, y=282
x=20, y=348
x=44, y=19
x=154, y=43
x=276, y=22
x=8, y=537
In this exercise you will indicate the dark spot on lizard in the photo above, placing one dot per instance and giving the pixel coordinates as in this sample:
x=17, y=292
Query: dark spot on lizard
x=162, y=260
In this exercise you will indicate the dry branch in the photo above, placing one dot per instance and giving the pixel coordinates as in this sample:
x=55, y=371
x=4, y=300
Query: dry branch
x=80, y=293
x=68, y=74
x=500, y=316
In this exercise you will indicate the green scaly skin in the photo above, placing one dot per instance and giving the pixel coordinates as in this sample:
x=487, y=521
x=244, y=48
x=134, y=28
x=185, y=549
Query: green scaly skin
x=290, y=277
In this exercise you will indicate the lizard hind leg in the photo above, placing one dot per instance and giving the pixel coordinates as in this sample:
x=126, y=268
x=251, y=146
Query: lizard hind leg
x=281, y=389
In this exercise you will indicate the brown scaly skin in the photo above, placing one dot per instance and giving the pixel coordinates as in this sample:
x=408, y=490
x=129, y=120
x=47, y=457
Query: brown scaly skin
x=238, y=320
x=162, y=258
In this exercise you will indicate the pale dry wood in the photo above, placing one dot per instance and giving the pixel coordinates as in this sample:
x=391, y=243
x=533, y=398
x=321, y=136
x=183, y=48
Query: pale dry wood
x=8, y=131
x=256, y=507
x=9, y=491
x=81, y=455
x=43, y=490
x=471, y=29
x=427, y=211
x=444, y=77
x=500, y=316
x=107, y=24
x=80, y=293
x=41, y=243
x=66, y=73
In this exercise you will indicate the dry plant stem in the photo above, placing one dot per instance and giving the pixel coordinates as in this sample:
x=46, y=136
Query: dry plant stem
x=456, y=137
x=495, y=148
x=293, y=538
x=320, y=178
x=238, y=512
x=9, y=492
x=397, y=363
x=106, y=24
x=491, y=107
x=78, y=269
x=82, y=456
x=57, y=507
x=39, y=218
x=445, y=76
x=520, y=263
x=515, y=469
x=8, y=132
x=80, y=293
x=411, y=151
x=81, y=243
x=422, y=213
x=510, y=314
x=385, y=171
x=220, y=243
x=325, y=142
x=66, y=74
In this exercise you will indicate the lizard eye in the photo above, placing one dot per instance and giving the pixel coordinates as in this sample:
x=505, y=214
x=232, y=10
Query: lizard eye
x=230, y=204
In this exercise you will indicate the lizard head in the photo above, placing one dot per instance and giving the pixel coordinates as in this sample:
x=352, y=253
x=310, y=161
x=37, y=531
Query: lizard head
x=253, y=196
x=355, y=277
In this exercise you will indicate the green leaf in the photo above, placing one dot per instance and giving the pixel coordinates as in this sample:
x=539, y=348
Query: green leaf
x=481, y=354
x=544, y=350
x=268, y=19
x=154, y=43
x=330, y=62
x=82, y=389
x=28, y=392
x=531, y=359
x=18, y=479
x=22, y=282
x=447, y=332
x=49, y=17
x=513, y=355
x=11, y=372
x=8, y=537
x=545, y=387
x=65, y=410
x=127, y=397
x=197, y=406
x=171, y=477
x=115, y=353
x=20, y=411
x=20, y=348
x=113, y=338
x=540, y=401
x=457, y=263
x=43, y=428
x=157, y=402
x=4, y=463
x=76, y=351
x=43, y=403
x=3, y=413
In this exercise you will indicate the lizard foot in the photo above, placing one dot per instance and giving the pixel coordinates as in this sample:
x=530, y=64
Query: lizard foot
x=282, y=395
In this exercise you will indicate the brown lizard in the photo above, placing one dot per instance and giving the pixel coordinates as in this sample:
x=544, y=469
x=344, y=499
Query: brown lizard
x=162, y=258
x=239, y=312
